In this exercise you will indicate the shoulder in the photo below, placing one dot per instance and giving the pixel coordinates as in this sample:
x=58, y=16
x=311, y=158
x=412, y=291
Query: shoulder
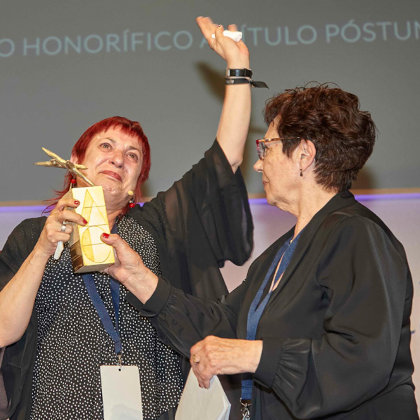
x=33, y=222
x=18, y=246
x=356, y=229
x=359, y=219
x=24, y=236
x=29, y=228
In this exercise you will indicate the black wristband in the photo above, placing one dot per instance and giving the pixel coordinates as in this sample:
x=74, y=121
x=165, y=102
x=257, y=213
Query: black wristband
x=243, y=80
x=238, y=73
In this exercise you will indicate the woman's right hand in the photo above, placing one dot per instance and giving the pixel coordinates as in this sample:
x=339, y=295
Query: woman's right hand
x=18, y=296
x=58, y=226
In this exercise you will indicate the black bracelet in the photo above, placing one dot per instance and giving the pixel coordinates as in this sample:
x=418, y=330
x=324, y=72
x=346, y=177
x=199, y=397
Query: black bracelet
x=238, y=73
x=243, y=80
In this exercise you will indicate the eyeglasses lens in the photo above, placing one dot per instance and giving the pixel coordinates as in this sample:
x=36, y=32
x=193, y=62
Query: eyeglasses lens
x=261, y=148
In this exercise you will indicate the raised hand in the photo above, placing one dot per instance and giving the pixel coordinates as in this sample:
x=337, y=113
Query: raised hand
x=234, y=53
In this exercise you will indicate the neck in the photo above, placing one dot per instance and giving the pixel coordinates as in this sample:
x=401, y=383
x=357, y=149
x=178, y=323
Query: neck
x=114, y=207
x=112, y=217
x=113, y=210
x=310, y=203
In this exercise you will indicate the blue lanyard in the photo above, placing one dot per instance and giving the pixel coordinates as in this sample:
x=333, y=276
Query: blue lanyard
x=257, y=307
x=100, y=306
x=101, y=310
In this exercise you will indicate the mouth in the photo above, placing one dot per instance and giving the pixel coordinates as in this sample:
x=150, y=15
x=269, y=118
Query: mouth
x=112, y=174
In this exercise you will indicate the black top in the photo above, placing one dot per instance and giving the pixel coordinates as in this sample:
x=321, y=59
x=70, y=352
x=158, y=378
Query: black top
x=336, y=331
x=201, y=221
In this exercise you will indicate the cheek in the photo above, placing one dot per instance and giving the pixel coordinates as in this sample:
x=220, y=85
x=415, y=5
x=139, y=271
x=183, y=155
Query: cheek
x=92, y=161
x=270, y=170
x=134, y=175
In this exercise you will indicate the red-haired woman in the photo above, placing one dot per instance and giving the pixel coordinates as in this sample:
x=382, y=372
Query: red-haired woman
x=55, y=341
x=321, y=325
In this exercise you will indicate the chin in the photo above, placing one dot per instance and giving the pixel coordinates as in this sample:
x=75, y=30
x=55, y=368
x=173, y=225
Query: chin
x=269, y=199
x=112, y=193
x=270, y=202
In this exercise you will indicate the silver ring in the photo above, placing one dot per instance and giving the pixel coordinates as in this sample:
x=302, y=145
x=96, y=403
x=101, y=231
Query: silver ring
x=63, y=227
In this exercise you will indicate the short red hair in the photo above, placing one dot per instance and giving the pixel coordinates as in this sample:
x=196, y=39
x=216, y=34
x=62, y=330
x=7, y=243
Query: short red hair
x=129, y=127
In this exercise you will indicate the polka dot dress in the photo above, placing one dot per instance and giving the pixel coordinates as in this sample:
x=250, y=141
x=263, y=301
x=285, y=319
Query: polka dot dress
x=72, y=343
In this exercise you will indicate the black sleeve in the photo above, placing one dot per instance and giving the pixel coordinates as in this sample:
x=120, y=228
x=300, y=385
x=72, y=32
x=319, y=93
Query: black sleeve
x=18, y=246
x=181, y=319
x=212, y=198
x=201, y=221
x=367, y=280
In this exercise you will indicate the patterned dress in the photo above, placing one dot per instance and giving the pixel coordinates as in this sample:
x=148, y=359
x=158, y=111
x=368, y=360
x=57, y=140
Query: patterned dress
x=66, y=381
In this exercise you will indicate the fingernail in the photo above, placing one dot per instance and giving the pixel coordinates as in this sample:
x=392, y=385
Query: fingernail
x=105, y=235
x=77, y=202
x=85, y=221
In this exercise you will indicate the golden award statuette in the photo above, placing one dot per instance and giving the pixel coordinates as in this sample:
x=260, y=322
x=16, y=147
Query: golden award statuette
x=88, y=252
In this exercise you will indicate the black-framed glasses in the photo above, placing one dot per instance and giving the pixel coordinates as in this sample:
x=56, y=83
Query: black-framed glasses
x=263, y=144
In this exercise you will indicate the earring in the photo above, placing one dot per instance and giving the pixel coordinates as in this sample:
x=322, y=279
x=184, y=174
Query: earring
x=72, y=182
x=300, y=172
x=132, y=201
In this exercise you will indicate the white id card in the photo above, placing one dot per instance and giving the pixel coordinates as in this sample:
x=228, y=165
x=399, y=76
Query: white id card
x=121, y=393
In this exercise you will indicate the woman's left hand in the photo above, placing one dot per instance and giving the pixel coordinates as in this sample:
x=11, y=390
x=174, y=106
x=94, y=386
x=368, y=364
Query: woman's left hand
x=218, y=356
x=129, y=269
x=235, y=54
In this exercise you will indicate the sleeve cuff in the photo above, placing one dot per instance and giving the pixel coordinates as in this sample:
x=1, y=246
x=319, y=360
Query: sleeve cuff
x=270, y=357
x=156, y=302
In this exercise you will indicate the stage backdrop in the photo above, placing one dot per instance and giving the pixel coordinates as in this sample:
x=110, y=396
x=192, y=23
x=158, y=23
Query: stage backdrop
x=67, y=64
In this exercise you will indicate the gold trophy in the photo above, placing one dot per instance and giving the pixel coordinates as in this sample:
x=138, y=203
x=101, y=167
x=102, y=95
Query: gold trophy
x=88, y=252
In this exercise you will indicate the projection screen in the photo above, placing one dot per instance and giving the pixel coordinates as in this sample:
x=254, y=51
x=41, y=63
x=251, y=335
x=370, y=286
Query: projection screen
x=68, y=64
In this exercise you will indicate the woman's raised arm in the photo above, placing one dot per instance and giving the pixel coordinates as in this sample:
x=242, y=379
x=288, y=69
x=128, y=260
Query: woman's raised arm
x=236, y=111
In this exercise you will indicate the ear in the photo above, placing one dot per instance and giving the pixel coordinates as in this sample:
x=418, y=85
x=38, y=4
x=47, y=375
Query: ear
x=74, y=159
x=306, y=152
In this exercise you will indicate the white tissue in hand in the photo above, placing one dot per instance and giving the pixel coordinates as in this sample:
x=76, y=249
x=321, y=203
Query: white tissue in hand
x=235, y=35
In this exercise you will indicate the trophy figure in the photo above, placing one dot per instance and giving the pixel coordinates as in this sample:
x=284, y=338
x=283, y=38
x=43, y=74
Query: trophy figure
x=88, y=252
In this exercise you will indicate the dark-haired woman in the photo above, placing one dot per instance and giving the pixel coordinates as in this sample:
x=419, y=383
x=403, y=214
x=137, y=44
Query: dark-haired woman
x=321, y=325
x=55, y=341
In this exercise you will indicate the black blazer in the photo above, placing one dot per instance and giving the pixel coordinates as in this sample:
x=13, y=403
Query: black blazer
x=336, y=331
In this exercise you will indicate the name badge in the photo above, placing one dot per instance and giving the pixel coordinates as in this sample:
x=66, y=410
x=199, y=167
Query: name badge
x=121, y=393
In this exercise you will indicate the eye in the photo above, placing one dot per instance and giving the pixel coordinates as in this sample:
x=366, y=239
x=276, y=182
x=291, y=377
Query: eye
x=105, y=146
x=133, y=156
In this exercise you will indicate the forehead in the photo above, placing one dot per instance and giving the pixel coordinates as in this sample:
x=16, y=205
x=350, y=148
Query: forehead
x=115, y=134
x=272, y=129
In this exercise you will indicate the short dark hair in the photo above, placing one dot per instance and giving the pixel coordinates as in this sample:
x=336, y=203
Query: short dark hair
x=343, y=135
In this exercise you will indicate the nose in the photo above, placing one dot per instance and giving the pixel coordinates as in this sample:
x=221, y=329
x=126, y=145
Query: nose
x=117, y=158
x=258, y=165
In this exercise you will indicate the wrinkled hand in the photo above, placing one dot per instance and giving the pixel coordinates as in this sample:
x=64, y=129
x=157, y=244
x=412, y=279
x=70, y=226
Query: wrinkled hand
x=234, y=53
x=218, y=356
x=129, y=269
x=58, y=226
